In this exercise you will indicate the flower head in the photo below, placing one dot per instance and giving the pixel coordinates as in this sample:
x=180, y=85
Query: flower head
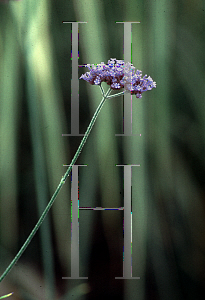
x=119, y=75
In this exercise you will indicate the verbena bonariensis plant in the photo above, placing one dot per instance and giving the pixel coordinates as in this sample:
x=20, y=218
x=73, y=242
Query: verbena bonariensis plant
x=117, y=75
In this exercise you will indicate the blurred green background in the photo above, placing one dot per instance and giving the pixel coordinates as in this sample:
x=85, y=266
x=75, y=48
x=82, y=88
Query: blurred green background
x=168, y=189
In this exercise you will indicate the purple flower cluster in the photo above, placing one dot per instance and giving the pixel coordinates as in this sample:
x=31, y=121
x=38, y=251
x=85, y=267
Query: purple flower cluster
x=119, y=75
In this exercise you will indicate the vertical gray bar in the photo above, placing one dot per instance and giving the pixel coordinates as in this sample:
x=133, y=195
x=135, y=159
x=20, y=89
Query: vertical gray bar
x=127, y=120
x=74, y=225
x=127, y=126
x=127, y=222
x=75, y=82
x=127, y=263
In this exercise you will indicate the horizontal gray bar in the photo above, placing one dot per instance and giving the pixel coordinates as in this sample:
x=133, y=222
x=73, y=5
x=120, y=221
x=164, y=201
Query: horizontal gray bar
x=127, y=278
x=127, y=165
x=101, y=208
x=123, y=134
x=73, y=22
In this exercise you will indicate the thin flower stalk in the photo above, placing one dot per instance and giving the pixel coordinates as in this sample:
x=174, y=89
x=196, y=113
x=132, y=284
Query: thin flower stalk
x=40, y=221
x=6, y=296
x=117, y=75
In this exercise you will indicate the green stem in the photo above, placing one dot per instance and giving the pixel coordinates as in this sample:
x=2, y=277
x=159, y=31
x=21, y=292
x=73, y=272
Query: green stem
x=40, y=221
x=102, y=90
x=5, y=296
x=116, y=95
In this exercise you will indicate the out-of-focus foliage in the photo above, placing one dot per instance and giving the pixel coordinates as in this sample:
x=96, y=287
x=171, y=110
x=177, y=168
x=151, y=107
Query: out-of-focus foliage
x=168, y=189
